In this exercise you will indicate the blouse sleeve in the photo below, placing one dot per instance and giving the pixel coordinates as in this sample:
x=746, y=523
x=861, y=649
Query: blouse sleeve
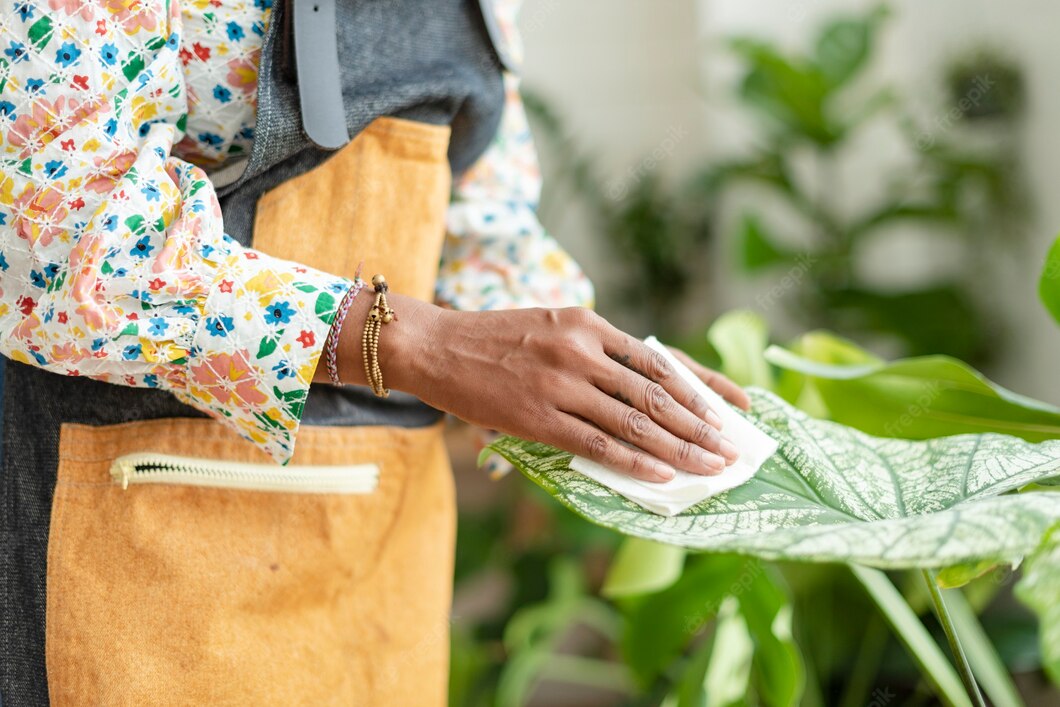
x=113, y=259
x=497, y=255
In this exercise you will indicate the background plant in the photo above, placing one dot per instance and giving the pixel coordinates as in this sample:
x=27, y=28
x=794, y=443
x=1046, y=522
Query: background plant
x=956, y=615
x=588, y=620
x=960, y=184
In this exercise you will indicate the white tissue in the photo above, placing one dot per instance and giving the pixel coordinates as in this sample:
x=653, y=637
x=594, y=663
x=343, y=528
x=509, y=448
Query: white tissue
x=687, y=489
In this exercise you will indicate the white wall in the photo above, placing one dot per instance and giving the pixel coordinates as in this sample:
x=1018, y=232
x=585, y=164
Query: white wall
x=625, y=72
x=624, y=75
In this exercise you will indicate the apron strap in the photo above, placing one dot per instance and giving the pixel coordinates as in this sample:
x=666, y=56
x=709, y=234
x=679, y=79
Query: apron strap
x=316, y=58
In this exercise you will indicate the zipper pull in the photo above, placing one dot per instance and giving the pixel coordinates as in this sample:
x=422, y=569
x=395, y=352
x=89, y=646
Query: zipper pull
x=120, y=470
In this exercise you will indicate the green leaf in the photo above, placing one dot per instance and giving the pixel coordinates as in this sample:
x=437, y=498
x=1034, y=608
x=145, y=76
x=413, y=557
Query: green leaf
x=133, y=65
x=729, y=671
x=990, y=672
x=268, y=421
x=940, y=319
x=1049, y=284
x=914, y=398
x=777, y=667
x=641, y=567
x=660, y=626
x=1039, y=588
x=834, y=494
x=962, y=574
x=791, y=92
x=845, y=46
x=740, y=337
x=119, y=100
x=690, y=689
x=40, y=32
x=135, y=224
x=932, y=213
x=325, y=307
x=756, y=247
x=533, y=636
x=911, y=632
x=56, y=284
x=267, y=346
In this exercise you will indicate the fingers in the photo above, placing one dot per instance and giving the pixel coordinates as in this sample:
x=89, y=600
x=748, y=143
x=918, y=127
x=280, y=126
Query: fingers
x=716, y=381
x=583, y=439
x=649, y=363
x=695, y=450
x=637, y=393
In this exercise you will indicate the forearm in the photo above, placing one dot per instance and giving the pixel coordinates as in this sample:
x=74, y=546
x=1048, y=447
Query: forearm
x=115, y=263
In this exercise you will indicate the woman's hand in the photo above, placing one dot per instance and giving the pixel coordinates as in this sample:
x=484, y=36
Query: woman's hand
x=562, y=376
x=714, y=380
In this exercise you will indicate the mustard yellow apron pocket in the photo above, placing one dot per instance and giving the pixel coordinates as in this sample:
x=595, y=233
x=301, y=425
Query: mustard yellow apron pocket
x=380, y=199
x=185, y=568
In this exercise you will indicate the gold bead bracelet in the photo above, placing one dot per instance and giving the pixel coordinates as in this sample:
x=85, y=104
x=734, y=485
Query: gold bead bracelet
x=378, y=315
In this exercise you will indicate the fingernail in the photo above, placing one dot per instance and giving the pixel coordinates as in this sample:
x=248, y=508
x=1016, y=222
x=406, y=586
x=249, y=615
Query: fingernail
x=713, y=419
x=728, y=450
x=712, y=461
x=664, y=472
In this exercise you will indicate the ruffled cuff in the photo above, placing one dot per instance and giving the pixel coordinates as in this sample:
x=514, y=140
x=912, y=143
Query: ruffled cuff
x=256, y=348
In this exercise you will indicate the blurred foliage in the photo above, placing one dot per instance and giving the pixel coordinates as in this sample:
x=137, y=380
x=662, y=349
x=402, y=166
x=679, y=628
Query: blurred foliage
x=514, y=543
x=968, y=77
x=1049, y=284
x=658, y=234
x=1039, y=590
x=813, y=107
x=705, y=633
x=914, y=398
x=586, y=619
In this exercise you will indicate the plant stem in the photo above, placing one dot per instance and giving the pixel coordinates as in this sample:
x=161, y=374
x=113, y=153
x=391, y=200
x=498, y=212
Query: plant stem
x=963, y=667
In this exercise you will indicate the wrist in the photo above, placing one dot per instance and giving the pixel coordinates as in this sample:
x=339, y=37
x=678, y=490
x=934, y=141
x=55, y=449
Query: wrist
x=403, y=343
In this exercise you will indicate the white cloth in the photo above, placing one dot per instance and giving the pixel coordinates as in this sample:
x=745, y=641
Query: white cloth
x=687, y=489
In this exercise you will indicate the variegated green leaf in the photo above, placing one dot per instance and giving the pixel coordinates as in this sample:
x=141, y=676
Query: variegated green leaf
x=1039, y=589
x=834, y=494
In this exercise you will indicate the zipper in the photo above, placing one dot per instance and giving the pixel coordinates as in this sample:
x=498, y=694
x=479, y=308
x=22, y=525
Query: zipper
x=154, y=468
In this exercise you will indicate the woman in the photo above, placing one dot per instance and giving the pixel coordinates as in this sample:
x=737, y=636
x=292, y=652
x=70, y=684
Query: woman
x=188, y=191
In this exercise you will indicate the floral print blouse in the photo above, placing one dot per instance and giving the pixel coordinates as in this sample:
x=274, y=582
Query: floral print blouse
x=114, y=263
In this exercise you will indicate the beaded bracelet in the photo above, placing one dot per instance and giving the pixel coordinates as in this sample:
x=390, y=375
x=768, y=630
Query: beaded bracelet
x=378, y=315
x=332, y=344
